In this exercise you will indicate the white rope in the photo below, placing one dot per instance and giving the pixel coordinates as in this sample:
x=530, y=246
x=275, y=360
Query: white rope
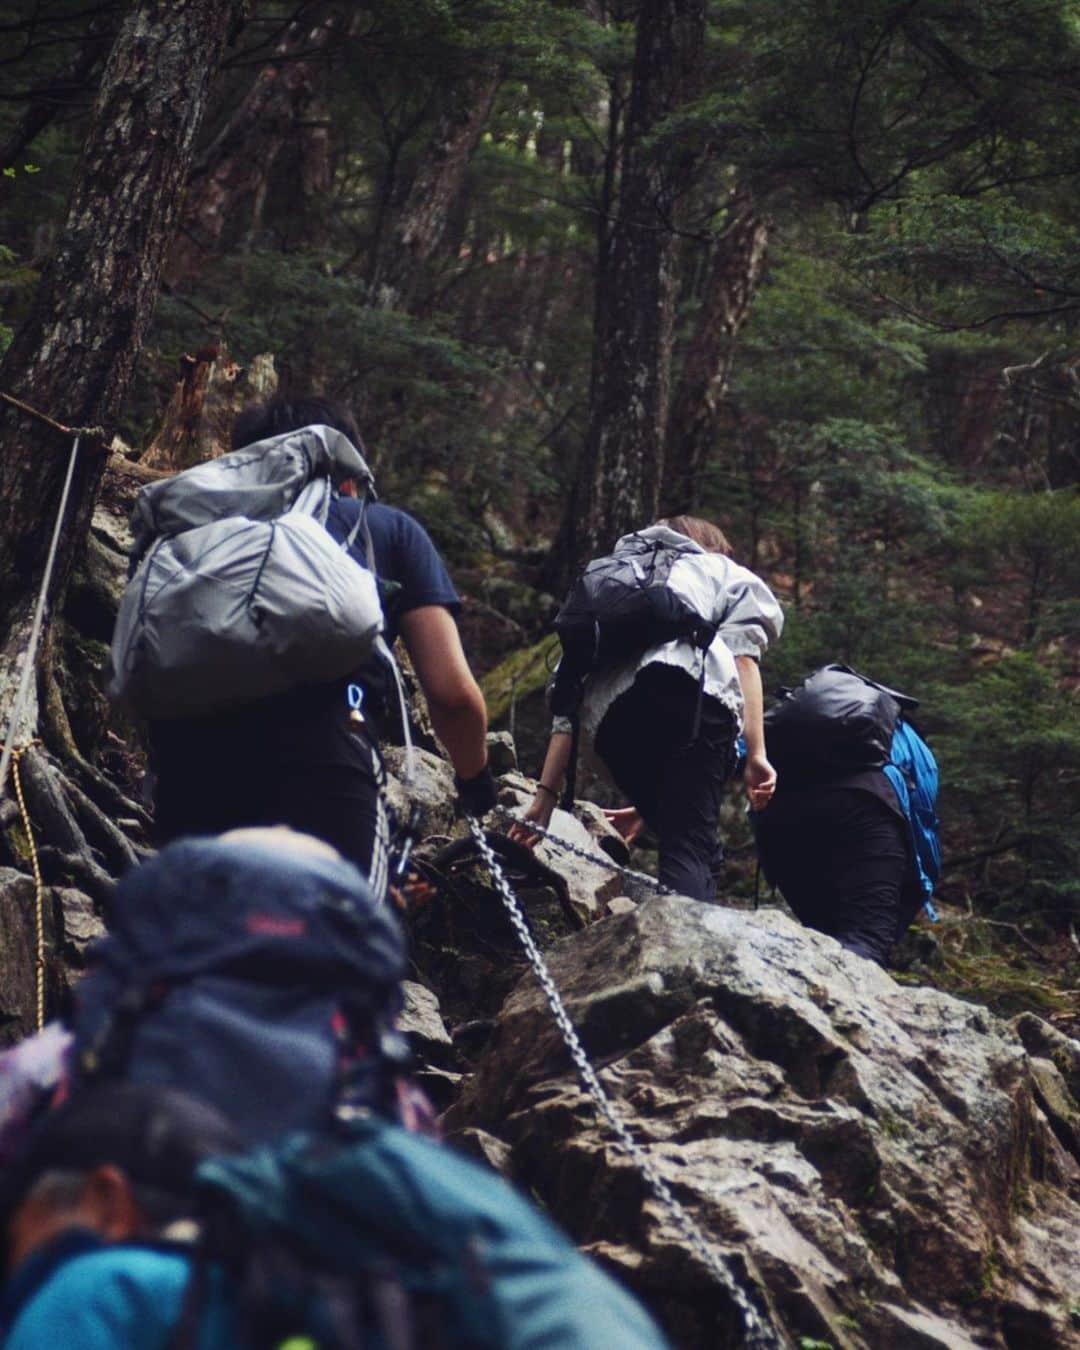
x=30, y=657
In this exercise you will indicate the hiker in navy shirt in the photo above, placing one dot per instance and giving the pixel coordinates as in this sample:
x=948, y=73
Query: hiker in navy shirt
x=309, y=758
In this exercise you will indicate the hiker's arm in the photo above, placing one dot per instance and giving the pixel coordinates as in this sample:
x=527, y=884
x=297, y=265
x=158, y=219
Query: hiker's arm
x=458, y=711
x=759, y=775
x=549, y=784
x=748, y=615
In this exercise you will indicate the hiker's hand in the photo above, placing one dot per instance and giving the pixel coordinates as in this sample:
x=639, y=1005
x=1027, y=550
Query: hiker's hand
x=628, y=820
x=760, y=779
x=413, y=893
x=538, y=811
x=476, y=796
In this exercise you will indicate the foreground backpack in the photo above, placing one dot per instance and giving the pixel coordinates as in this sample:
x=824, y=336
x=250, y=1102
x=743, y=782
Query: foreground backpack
x=838, y=722
x=374, y=1237
x=240, y=592
x=264, y=983
x=620, y=606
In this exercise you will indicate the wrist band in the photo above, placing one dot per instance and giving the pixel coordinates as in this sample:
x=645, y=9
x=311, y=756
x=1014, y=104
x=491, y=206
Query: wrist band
x=545, y=788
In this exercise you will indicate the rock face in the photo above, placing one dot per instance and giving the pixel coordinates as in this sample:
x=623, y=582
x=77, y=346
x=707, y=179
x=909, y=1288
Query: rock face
x=893, y=1166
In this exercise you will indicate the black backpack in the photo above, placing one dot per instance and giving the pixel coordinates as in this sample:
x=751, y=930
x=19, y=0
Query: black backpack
x=835, y=722
x=266, y=983
x=621, y=605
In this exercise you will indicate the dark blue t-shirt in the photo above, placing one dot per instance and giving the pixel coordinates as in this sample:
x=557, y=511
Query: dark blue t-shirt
x=407, y=563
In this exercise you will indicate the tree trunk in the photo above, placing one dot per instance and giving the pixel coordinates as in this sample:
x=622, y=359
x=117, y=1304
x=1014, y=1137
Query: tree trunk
x=736, y=259
x=211, y=390
x=398, y=266
x=235, y=168
x=73, y=358
x=622, y=464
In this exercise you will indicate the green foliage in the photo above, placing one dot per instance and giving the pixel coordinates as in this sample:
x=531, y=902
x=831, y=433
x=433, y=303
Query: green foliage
x=897, y=453
x=1009, y=747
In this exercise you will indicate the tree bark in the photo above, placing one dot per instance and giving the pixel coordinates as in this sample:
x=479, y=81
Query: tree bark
x=420, y=220
x=736, y=259
x=211, y=390
x=74, y=356
x=633, y=329
x=235, y=168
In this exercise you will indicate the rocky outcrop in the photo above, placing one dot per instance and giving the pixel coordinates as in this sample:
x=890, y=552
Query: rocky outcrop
x=885, y=1160
x=70, y=922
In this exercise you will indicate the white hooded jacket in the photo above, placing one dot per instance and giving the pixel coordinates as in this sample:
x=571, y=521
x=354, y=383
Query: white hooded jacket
x=747, y=613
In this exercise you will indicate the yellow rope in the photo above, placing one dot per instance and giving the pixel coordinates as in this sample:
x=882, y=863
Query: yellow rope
x=39, y=889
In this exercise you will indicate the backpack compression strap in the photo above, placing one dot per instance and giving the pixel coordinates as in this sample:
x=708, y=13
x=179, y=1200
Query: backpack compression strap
x=567, y=800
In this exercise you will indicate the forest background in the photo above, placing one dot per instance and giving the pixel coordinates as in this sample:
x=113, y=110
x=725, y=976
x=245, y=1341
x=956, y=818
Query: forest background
x=808, y=269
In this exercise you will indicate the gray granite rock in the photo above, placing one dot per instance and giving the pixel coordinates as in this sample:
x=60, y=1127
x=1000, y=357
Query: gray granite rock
x=887, y=1164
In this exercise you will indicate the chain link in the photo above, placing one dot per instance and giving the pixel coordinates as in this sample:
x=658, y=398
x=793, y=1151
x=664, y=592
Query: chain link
x=597, y=858
x=758, y=1334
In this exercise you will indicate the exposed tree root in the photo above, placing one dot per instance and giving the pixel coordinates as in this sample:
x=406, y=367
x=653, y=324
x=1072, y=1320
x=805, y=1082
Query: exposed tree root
x=104, y=794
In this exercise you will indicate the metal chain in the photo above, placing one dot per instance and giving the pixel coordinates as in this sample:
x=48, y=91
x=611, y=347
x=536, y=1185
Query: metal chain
x=597, y=859
x=758, y=1333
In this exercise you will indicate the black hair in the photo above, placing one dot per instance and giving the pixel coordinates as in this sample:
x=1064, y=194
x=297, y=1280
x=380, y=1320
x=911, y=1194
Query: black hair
x=282, y=413
x=157, y=1135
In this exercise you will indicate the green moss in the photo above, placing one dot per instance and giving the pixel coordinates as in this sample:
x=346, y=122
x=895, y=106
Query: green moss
x=523, y=673
x=987, y=963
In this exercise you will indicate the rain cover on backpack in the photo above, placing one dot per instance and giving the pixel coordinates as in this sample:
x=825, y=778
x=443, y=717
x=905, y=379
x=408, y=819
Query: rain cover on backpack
x=243, y=594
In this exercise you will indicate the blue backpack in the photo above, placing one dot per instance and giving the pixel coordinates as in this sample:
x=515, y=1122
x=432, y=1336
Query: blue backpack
x=370, y=1236
x=913, y=772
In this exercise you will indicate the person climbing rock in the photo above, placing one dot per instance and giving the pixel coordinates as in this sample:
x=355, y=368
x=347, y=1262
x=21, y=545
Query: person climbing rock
x=138, y=1213
x=850, y=839
x=661, y=644
x=309, y=757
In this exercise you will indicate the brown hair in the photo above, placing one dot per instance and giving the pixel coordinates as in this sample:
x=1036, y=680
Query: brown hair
x=711, y=537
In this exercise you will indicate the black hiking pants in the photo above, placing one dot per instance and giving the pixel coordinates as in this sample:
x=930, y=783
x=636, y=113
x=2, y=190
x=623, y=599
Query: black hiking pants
x=841, y=858
x=674, y=779
x=312, y=771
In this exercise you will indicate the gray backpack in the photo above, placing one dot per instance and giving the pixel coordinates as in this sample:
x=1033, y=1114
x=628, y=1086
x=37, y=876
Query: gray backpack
x=240, y=592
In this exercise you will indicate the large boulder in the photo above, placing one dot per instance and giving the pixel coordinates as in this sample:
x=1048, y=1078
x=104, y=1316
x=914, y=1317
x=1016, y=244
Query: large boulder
x=881, y=1162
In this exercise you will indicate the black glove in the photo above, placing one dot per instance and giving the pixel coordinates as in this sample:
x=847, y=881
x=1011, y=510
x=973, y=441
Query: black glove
x=476, y=796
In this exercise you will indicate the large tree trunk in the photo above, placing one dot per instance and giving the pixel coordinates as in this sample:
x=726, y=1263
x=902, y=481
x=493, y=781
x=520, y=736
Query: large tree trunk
x=637, y=272
x=73, y=359
x=421, y=217
x=74, y=356
x=283, y=102
x=736, y=259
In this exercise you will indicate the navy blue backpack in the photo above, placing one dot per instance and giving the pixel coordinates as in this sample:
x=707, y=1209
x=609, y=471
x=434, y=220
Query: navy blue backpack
x=264, y=980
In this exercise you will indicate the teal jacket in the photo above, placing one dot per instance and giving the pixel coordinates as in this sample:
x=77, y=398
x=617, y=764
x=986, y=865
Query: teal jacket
x=114, y=1298
x=506, y=1278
